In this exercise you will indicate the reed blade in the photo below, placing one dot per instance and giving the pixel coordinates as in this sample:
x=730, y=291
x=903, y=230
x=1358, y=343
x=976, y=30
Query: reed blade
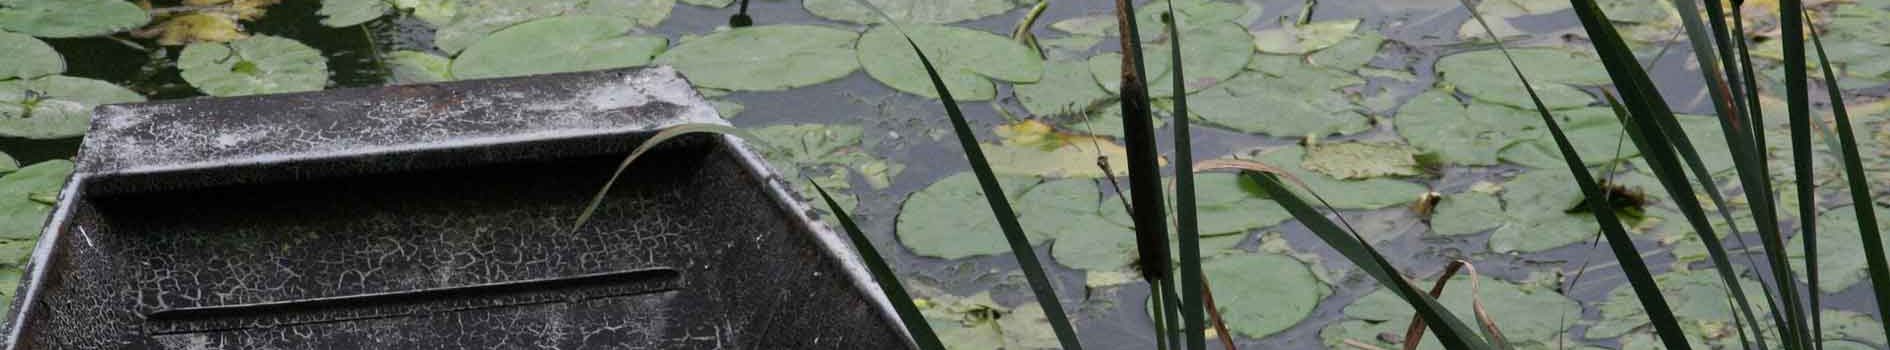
x=1798, y=107
x=1860, y=193
x=921, y=332
x=1187, y=226
x=654, y=140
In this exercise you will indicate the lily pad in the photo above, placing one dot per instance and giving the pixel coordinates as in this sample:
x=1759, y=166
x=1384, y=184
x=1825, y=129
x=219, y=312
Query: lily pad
x=202, y=27
x=709, y=3
x=951, y=218
x=1466, y=213
x=1498, y=13
x=1262, y=293
x=1697, y=298
x=584, y=43
x=1349, y=54
x=819, y=148
x=1107, y=121
x=343, y=13
x=27, y=57
x=1343, y=194
x=1553, y=72
x=1362, y=160
x=965, y=60
x=1594, y=132
x=70, y=18
x=20, y=216
x=1536, y=208
x=774, y=57
x=1032, y=148
x=910, y=11
x=1294, y=38
x=1841, y=258
x=7, y=163
x=977, y=322
x=473, y=20
x=56, y=106
x=14, y=253
x=1282, y=106
x=1066, y=89
x=256, y=65
x=1437, y=124
x=1530, y=316
x=1211, y=54
x=1108, y=255
x=435, y=12
x=412, y=67
x=1225, y=204
x=1188, y=15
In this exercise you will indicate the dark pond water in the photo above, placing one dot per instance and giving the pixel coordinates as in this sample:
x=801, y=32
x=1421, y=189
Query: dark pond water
x=911, y=130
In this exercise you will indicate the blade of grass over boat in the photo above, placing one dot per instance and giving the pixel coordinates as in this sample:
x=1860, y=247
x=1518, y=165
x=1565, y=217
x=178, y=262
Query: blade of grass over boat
x=1642, y=281
x=1187, y=225
x=655, y=140
x=1450, y=330
x=1026, y=257
x=882, y=274
x=1860, y=190
x=1798, y=108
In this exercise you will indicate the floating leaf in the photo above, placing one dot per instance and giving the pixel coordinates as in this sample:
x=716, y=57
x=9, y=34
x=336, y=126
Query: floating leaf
x=1349, y=54
x=1839, y=265
x=910, y=11
x=1188, y=15
x=1226, y=204
x=1466, y=213
x=343, y=13
x=410, y=67
x=1216, y=53
x=965, y=59
x=1066, y=89
x=256, y=65
x=435, y=12
x=1362, y=160
x=951, y=219
x=1283, y=106
x=1436, y=123
x=9, y=284
x=1529, y=316
x=977, y=322
x=7, y=163
x=1594, y=132
x=1033, y=148
x=1295, y=38
x=21, y=217
x=1554, y=73
x=14, y=252
x=70, y=18
x=1343, y=194
x=209, y=27
x=1536, y=213
x=584, y=43
x=1261, y=294
x=1500, y=11
x=56, y=106
x=473, y=20
x=775, y=57
x=1697, y=298
x=27, y=57
x=1109, y=252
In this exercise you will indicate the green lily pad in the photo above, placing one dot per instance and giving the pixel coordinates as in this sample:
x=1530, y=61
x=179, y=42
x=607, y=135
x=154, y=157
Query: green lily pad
x=1498, y=13
x=473, y=20
x=1107, y=121
x=774, y=57
x=1283, y=106
x=1536, y=209
x=965, y=60
x=1343, y=194
x=412, y=67
x=977, y=322
x=27, y=57
x=710, y=3
x=70, y=18
x=256, y=65
x=1188, y=15
x=435, y=12
x=20, y=216
x=1840, y=324
x=910, y=11
x=1032, y=148
x=343, y=13
x=56, y=106
x=1294, y=38
x=1594, y=132
x=1066, y=89
x=1362, y=160
x=1225, y=204
x=1697, y=298
x=14, y=253
x=819, y=148
x=584, y=43
x=1108, y=254
x=1841, y=258
x=1437, y=124
x=1466, y=213
x=9, y=284
x=1210, y=54
x=1554, y=73
x=7, y=163
x=1262, y=293
x=1529, y=316
x=951, y=218
x=1350, y=54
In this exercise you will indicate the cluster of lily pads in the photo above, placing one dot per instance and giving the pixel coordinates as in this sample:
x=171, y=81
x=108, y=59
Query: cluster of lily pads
x=1456, y=157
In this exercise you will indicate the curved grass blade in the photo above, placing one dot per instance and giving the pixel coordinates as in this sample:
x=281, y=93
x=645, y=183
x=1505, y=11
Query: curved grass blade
x=882, y=273
x=1642, y=281
x=1414, y=334
x=659, y=138
x=1860, y=193
x=1187, y=225
x=1798, y=107
x=1027, y=261
x=1755, y=175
